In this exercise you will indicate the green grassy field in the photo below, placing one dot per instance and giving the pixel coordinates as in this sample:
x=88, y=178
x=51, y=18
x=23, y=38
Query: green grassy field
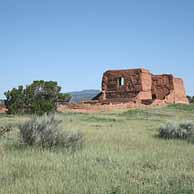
x=121, y=155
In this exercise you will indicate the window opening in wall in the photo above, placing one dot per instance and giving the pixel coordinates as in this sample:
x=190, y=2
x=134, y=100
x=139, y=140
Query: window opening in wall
x=121, y=81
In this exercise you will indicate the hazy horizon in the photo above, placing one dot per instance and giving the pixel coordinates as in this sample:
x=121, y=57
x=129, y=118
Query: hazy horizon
x=74, y=42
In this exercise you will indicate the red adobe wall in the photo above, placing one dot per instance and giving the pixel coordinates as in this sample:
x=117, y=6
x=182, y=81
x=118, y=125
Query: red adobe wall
x=137, y=85
x=179, y=91
x=168, y=88
x=162, y=85
x=141, y=86
x=146, y=85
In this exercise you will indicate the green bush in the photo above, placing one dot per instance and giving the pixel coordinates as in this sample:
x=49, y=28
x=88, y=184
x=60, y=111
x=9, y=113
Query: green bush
x=172, y=130
x=38, y=98
x=46, y=131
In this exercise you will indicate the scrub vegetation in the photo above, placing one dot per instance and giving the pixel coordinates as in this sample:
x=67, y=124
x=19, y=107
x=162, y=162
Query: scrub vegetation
x=122, y=153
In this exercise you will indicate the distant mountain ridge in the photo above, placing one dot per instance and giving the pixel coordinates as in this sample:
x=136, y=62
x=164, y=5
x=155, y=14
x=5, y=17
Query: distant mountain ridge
x=84, y=95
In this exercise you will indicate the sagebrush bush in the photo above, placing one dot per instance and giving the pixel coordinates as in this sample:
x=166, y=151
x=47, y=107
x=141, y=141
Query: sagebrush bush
x=5, y=129
x=46, y=131
x=182, y=130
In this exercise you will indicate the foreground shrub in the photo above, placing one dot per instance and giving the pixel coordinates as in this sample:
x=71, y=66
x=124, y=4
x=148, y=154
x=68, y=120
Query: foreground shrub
x=182, y=130
x=46, y=131
x=5, y=129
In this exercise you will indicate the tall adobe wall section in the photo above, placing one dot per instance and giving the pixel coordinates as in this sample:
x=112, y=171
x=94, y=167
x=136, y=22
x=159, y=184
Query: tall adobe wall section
x=179, y=91
x=140, y=86
x=162, y=85
x=137, y=85
x=169, y=89
x=146, y=85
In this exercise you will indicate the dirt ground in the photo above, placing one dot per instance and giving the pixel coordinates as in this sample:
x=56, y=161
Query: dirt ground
x=92, y=108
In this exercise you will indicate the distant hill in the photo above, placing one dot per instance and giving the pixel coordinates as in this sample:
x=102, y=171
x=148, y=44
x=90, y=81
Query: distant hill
x=83, y=95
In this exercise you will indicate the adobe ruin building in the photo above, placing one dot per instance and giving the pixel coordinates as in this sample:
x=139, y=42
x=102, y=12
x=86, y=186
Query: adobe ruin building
x=140, y=86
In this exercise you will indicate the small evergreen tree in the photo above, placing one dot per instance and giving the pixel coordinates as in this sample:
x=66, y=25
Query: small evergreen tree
x=38, y=98
x=15, y=100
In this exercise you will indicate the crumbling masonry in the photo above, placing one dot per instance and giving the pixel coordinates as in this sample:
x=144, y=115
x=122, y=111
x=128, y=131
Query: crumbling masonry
x=140, y=86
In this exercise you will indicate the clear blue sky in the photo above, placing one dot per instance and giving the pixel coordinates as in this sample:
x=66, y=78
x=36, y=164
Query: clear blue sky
x=75, y=41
